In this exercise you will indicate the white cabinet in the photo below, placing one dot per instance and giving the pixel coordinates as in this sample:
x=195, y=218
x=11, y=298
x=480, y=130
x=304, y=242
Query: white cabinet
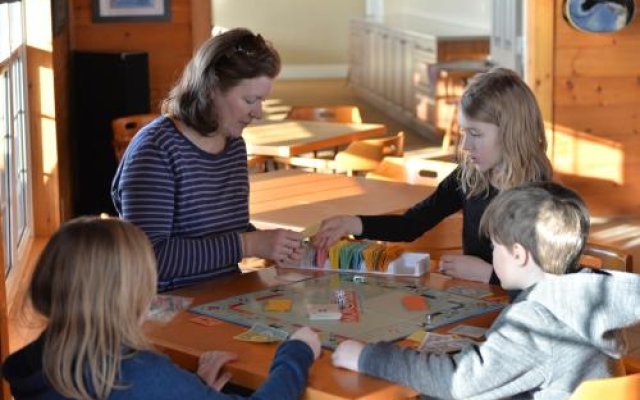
x=390, y=64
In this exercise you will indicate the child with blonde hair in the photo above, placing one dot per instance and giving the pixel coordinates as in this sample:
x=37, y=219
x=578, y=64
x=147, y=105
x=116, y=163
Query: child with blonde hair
x=564, y=327
x=503, y=146
x=94, y=282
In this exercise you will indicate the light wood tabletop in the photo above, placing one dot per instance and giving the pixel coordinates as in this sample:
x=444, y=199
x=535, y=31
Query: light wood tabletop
x=293, y=199
x=289, y=138
x=184, y=340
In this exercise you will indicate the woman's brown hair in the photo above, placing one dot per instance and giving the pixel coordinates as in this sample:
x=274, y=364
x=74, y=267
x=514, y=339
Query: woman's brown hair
x=220, y=63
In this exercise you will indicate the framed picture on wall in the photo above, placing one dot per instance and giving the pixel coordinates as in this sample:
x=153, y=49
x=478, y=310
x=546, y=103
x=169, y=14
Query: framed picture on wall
x=131, y=10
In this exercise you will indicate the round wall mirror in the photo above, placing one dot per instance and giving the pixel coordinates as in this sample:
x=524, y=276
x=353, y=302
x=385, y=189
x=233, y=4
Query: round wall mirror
x=599, y=16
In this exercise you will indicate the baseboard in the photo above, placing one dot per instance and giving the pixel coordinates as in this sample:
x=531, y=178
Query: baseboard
x=313, y=71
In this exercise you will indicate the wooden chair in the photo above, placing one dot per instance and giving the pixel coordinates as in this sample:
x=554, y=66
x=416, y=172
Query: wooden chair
x=621, y=388
x=597, y=255
x=344, y=114
x=416, y=171
x=366, y=155
x=124, y=128
x=359, y=156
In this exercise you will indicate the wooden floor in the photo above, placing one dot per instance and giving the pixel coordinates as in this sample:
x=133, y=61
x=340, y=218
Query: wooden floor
x=622, y=231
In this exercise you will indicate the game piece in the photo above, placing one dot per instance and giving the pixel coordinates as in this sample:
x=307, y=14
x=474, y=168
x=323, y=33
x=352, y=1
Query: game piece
x=415, y=303
x=359, y=279
x=468, y=330
x=324, y=312
x=278, y=305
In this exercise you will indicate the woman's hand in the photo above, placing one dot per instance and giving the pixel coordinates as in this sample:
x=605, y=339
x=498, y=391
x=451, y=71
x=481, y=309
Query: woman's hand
x=347, y=355
x=334, y=228
x=210, y=366
x=280, y=245
x=311, y=338
x=466, y=267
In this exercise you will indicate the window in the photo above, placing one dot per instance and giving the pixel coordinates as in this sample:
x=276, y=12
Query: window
x=15, y=198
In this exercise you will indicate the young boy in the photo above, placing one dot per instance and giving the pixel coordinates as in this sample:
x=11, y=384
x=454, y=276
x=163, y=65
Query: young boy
x=562, y=329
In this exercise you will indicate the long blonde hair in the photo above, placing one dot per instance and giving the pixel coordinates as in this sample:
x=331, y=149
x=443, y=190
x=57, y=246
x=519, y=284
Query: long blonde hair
x=501, y=98
x=93, y=281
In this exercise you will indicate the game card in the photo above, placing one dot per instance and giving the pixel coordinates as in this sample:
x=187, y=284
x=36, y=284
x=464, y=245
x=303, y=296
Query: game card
x=415, y=303
x=205, y=321
x=278, y=305
x=442, y=344
x=468, y=330
x=260, y=333
x=324, y=312
x=476, y=293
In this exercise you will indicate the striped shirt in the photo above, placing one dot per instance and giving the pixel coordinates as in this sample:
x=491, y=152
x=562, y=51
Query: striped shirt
x=193, y=205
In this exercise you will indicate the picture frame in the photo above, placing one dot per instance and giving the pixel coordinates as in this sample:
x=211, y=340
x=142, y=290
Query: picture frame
x=131, y=10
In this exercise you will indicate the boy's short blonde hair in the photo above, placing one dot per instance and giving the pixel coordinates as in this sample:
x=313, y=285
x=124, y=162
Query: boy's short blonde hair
x=547, y=219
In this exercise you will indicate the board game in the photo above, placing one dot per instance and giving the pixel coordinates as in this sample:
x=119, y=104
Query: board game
x=372, y=308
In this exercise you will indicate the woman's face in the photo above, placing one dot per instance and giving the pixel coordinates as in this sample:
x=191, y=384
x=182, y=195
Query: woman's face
x=481, y=142
x=241, y=104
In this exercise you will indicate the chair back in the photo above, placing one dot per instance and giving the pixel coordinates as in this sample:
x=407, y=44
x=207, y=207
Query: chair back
x=416, y=171
x=621, y=388
x=366, y=155
x=345, y=114
x=125, y=128
x=597, y=255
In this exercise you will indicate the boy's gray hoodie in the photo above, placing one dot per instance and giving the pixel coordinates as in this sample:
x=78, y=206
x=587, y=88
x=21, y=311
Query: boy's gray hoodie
x=558, y=333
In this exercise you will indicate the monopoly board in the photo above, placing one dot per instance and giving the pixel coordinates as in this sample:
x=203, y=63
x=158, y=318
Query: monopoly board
x=372, y=308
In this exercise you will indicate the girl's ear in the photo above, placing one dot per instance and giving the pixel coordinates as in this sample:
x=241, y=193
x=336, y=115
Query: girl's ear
x=520, y=254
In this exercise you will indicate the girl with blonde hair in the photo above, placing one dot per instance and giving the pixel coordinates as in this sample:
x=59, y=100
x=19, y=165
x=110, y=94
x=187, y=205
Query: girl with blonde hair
x=503, y=146
x=94, y=283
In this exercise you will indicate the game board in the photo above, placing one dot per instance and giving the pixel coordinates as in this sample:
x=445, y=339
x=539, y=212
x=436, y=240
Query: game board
x=372, y=310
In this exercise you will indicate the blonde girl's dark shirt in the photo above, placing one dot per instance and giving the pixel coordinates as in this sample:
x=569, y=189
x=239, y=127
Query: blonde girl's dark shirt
x=446, y=200
x=192, y=205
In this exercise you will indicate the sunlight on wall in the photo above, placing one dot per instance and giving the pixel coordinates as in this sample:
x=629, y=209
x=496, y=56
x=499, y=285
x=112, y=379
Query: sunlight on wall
x=585, y=155
x=47, y=122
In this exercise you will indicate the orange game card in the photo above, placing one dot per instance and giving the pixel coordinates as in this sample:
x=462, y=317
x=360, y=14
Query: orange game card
x=206, y=321
x=278, y=305
x=415, y=303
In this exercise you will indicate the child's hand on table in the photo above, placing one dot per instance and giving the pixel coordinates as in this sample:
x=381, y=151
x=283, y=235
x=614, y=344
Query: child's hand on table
x=210, y=366
x=311, y=338
x=347, y=355
x=334, y=228
x=465, y=267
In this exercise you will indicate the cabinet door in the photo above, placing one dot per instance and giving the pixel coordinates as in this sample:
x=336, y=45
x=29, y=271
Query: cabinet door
x=356, y=54
x=506, y=34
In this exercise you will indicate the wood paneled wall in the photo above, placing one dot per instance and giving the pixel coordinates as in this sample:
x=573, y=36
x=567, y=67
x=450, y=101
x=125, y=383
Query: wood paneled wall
x=169, y=44
x=594, y=106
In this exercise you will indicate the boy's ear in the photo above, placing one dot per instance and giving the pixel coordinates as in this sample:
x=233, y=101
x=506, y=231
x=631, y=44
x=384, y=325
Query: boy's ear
x=520, y=254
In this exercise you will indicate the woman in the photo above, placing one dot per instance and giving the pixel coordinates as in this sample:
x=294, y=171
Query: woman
x=183, y=178
x=504, y=146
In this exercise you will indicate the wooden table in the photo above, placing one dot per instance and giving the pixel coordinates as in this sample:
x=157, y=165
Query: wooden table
x=293, y=199
x=184, y=341
x=289, y=138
